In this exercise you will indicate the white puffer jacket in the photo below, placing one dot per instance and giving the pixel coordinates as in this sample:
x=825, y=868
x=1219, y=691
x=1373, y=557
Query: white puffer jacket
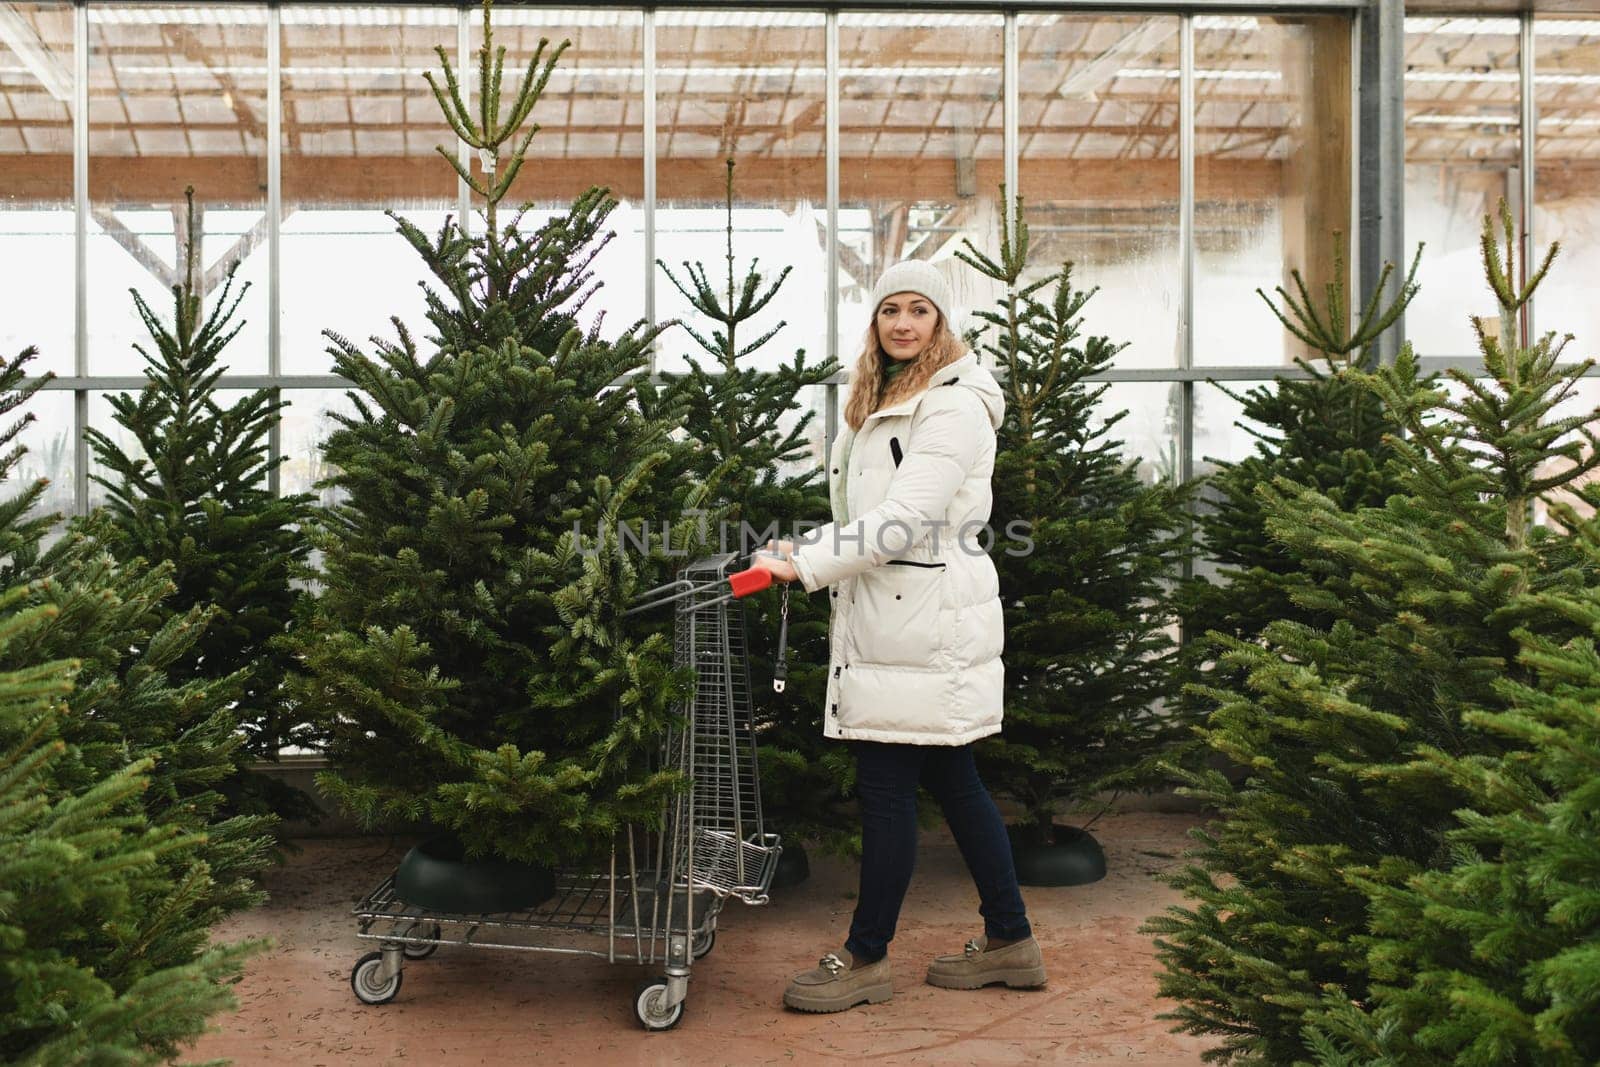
x=916, y=629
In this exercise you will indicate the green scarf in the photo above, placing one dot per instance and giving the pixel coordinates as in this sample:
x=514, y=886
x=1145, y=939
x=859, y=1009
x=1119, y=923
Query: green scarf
x=891, y=367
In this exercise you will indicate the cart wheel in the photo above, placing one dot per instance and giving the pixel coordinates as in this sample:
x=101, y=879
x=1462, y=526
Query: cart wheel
x=422, y=952
x=703, y=943
x=648, y=1006
x=364, y=980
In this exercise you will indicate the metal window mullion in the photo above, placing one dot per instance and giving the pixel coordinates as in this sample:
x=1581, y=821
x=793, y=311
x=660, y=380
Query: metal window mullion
x=831, y=195
x=649, y=88
x=1186, y=150
x=1009, y=117
x=1530, y=131
x=80, y=254
x=463, y=151
x=1352, y=278
x=1381, y=150
x=274, y=248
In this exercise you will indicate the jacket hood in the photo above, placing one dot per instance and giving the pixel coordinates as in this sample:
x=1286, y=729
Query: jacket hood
x=967, y=373
x=975, y=376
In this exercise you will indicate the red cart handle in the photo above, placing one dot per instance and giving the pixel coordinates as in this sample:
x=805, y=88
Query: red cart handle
x=750, y=581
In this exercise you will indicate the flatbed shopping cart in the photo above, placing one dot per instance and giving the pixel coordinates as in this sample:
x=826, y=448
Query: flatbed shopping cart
x=658, y=900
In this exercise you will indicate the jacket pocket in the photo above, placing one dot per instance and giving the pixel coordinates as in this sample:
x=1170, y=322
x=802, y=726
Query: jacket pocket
x=898, y=616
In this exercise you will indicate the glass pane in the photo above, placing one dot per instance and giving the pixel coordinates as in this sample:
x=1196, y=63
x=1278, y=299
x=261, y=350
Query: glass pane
x=307, y=422
x=921, y=153
x=36, y=216
x=48, y=440
x=1463, y=153
x=1221, y=435
x=359, y=130
x=1273, y=144
x=591, y=132
x=176, y=98
x=1149, y=428
x=102, y=419
x=1585, y=401
x=1218, y=437
x=1098, y=147
x=750, y=86
x=1567, y=176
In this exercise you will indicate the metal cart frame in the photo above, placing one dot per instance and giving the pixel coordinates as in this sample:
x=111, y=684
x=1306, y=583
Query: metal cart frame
x=658, y=900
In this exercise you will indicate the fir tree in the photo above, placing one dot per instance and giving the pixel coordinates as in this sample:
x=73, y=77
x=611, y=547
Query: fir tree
x=195, y=493
x=1326, y=432
x=112, y=621
x=1088, y=605
x=468, y=650
x=1426, y=595
x=105, y=948
x=764, y=475
x=1495, y=956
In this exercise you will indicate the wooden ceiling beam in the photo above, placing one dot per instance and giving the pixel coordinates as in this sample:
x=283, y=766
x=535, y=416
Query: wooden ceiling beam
x=343, y=181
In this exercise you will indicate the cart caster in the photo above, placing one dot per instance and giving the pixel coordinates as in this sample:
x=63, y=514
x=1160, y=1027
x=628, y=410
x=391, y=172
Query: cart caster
x=366, y=978
x=422, y=952
x=649, y=1006
x=703, y=943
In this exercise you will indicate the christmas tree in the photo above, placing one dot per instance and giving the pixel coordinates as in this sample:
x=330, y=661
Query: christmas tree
x=104, y=904
x=468, y=651
x=1325, y=432
x=1087, y=605
x=194, y=492
x=1494, y=957
x=112, y=620
x=764, y=476
x=1428, y=595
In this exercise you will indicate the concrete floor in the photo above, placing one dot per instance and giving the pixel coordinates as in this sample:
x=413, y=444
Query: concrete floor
x=467, y=1006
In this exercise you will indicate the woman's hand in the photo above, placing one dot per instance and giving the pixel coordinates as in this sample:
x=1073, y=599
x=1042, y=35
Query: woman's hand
x=782, y=570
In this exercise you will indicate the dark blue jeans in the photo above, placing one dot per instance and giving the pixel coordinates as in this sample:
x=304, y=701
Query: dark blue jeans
x=887, y=777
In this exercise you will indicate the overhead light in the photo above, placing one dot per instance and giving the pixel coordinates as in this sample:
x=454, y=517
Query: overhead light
x=1471, y=76
x=1462, y=120
x=154, y=15
x=1214, y=75
x=1543, y=27
x=1464, y=27
x=1503, y=77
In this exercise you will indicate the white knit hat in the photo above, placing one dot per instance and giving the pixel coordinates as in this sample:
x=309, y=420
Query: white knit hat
x=915, y=276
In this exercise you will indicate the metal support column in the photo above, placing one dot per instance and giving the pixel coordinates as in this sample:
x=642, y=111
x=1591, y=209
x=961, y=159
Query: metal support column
x=274, y=248
x=831, y=242
x=1382, y=152
x=80, y=254
x=1010, y=140
x=463, y=150
x=649, y=31
x=1186, y=149
x=1530, y=131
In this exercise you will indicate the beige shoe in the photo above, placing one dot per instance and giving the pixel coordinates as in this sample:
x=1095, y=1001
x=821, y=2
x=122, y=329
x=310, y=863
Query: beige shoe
x=832, y=986
x=1019, y=966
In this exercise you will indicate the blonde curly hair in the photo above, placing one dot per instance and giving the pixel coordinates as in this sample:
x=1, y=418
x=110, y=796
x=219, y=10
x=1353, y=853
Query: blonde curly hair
x=867, y=390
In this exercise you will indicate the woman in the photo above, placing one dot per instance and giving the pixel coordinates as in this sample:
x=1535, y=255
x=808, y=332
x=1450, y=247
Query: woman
x=915, y=635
